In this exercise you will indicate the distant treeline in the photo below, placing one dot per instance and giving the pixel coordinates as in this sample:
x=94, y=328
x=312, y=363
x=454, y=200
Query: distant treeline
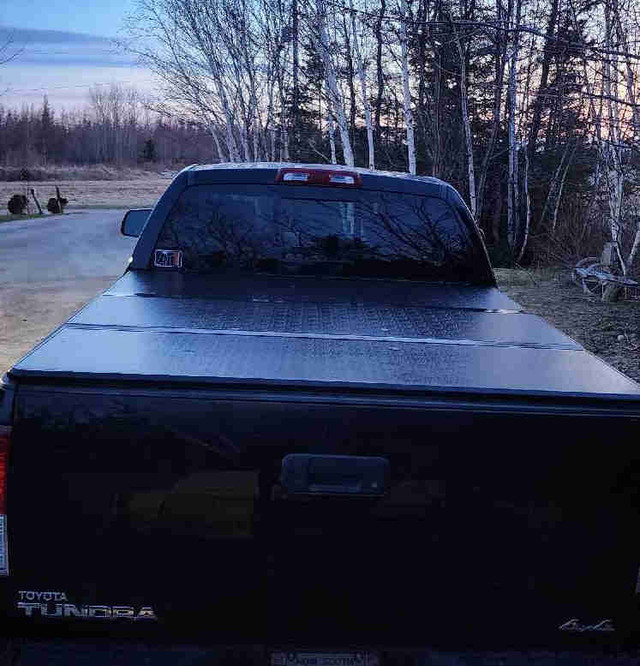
x=114, y=129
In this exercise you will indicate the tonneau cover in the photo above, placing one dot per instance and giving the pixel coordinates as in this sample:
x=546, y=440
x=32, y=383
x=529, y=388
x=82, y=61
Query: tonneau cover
x=172, y=327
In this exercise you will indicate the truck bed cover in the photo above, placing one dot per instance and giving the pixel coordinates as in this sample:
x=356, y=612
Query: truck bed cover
x=172, y=327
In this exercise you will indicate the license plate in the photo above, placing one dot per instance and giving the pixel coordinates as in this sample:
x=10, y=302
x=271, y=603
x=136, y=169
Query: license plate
x=324, y=659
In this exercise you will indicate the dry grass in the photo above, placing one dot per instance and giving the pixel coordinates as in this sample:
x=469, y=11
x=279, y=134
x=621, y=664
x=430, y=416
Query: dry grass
x=609, y=330
x=86, y=172
x=133, y=193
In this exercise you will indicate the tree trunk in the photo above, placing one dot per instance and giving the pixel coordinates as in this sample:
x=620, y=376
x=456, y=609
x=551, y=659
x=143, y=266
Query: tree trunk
x=350, y=79
x=512, y=190
x=379, y=69
x=633, y=253
x=363, y=89
x=549, y=45
x=406, y=97
x=285, y=144
x=468, y=141
x=513, y=203
x=559, y=185
x=214, y=71
x=295, y=111
x=527, y=220
x=497, y=108
x=216, y=141
x=614, y=174
x=436, y=170
x=332, y=135
x=333, y=91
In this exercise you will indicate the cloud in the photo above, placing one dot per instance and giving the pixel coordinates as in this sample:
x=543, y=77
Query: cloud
x=24, y=36
x=63, y=66
x=59, y=48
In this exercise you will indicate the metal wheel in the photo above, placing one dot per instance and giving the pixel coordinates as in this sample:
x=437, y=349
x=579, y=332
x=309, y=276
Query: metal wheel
x=588, y=262
x=591, y=284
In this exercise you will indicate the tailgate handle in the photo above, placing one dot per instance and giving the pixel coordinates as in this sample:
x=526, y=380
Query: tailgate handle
x=309, y=474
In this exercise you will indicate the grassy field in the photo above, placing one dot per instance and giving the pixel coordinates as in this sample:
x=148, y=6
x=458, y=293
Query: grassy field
x=11, y=218
x=56, y=173
x=136, y=193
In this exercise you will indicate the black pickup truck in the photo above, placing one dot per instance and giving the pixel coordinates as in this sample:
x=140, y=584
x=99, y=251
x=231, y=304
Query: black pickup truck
x=306, y=418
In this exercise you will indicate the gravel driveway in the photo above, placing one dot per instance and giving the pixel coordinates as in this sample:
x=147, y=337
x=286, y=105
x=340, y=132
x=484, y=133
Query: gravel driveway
x=49, y=268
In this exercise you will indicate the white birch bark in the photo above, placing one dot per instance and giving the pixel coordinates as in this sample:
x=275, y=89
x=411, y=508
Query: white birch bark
x=406, y=91
x=512, y=191
x=232, y=147
x=613, y=159
x=333, y=91
x=611, y=146
x=633, y=253
x=527, y=198
x=363, y=89
x=284, y=145
x=216, y=141
x=332, y=135
x=272, y=145
x=512, y=184
x=268, y=131
x=256, y=140
x=560, y=188
x=244, y=137
x=556, y=186
x=284, y=133
x=464, y=109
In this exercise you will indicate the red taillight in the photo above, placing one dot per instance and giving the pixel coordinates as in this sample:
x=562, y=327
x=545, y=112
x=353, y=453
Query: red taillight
x=302, y=176
x=5, y=436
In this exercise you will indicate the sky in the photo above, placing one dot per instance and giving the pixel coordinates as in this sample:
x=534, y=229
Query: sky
x=70, y=50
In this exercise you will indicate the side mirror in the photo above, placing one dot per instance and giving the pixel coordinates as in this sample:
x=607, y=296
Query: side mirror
x=133, y=222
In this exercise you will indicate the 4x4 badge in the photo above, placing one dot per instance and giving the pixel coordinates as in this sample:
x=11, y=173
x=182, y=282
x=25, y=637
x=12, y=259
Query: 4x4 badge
x=575, y=625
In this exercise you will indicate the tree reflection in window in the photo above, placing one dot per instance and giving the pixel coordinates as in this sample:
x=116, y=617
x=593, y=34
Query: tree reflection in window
x=373, y=235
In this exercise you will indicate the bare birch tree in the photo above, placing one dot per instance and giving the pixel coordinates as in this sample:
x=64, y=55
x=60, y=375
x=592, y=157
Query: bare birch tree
x=362, y=73
x=333, y=91
x=500, y=48
x=464, y=110
x=513, y=217
x=406, y=89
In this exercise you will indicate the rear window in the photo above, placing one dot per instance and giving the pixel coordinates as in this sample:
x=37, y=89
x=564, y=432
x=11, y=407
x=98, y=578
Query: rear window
x=312, y=231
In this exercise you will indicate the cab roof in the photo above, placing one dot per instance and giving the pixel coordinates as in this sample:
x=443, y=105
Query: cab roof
x=266, y=172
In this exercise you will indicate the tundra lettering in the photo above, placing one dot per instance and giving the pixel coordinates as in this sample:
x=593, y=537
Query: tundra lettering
x=98, y=612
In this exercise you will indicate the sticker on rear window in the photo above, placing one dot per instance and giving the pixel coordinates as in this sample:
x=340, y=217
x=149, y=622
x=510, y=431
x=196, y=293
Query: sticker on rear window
x=168, y=259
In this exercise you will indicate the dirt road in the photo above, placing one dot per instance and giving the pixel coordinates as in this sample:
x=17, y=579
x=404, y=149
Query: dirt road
x=49, y=268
